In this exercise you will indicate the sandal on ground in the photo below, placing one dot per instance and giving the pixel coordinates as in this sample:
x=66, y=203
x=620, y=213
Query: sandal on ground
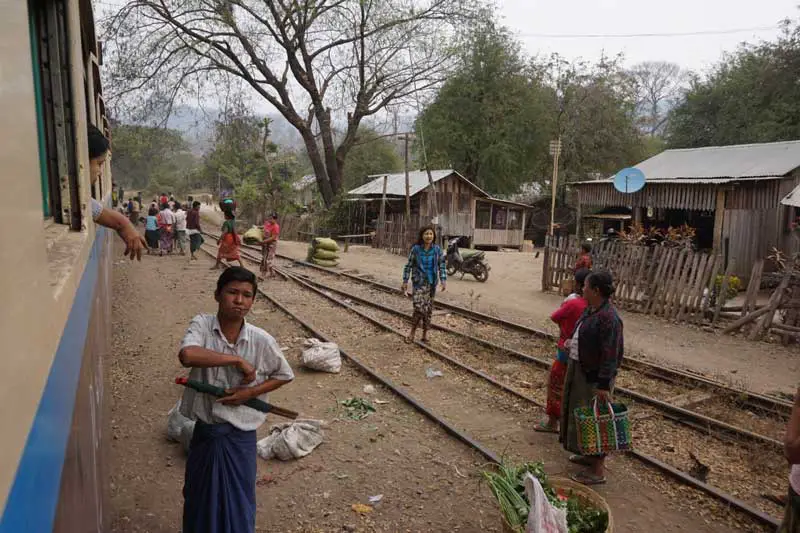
x=587, y=478
x=543, y=427
x=580, y=460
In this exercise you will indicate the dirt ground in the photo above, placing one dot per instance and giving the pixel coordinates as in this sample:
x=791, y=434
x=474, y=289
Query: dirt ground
x=429, y=481
x=513, y=291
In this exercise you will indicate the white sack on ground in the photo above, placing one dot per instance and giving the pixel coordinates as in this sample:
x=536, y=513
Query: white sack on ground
x=291, y=440
x=322, y=356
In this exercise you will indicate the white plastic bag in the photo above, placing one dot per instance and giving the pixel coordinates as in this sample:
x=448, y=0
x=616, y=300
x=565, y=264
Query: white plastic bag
x=179, y=428
x=322, y=356
x=186, y=434
x=175, y=422
x=291, y=440
x=543, y=517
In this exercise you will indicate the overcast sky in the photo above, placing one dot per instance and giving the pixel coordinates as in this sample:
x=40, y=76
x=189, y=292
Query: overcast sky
x=529, y=19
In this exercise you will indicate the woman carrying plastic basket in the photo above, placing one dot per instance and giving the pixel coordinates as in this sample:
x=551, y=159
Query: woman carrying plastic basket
x=595, y=354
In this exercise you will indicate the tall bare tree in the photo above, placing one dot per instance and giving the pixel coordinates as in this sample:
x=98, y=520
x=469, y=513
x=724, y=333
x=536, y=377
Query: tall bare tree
x=318, y=62
x=659, y=85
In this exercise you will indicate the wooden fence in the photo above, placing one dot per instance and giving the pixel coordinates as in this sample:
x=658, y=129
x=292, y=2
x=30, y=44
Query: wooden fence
x=396, y=235
x=675, y=283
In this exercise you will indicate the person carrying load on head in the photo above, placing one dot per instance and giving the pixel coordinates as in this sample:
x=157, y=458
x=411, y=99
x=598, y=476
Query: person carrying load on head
x=229, y=241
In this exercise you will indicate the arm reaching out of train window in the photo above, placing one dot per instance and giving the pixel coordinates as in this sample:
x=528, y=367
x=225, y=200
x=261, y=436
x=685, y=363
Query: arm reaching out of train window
x=134, y=242
x=98, y=149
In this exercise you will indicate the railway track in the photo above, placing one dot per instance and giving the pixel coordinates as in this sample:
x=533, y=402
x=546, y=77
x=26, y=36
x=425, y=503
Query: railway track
x=758, y=402
x=683, y=424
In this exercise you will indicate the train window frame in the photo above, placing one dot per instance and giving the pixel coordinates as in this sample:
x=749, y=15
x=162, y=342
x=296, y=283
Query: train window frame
x=60, y=177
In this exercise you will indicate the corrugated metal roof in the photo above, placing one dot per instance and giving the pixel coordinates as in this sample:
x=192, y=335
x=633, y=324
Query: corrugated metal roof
x=396, y=183
x=738, y=161
x=793, y=198
x=690, y=181
x=715, y=163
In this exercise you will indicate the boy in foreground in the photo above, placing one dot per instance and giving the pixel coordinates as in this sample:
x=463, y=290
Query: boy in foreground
x=224, y=350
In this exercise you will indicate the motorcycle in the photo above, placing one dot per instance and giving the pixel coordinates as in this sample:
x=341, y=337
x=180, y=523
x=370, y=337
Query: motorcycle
x=469, y=262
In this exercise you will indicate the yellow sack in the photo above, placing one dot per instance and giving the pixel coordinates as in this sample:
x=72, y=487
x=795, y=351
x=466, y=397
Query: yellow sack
x=326, y=255
x=254, y=235
x=325, y=244
x=325, y=262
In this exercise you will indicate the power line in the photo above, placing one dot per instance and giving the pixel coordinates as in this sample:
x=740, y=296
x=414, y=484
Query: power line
x=641, y=35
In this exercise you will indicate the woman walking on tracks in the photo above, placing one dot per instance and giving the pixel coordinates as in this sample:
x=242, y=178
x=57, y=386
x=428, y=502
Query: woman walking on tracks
x=595, y=354
x=229, y=241
x=426, y=267
x=272, y=231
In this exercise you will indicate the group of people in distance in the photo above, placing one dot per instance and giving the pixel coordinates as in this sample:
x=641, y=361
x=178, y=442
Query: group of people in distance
x=170, y=226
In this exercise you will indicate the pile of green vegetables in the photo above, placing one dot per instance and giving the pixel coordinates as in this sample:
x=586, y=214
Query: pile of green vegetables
x=507, y=487
x=357, y=408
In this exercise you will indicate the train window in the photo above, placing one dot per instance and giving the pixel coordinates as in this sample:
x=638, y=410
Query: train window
x=50, y=52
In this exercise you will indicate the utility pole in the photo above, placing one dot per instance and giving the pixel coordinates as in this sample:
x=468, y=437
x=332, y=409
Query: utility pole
x=408, y=186
x=555, y=151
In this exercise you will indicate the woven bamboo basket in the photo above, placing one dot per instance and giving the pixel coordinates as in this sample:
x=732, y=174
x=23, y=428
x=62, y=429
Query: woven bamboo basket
x=586, y=495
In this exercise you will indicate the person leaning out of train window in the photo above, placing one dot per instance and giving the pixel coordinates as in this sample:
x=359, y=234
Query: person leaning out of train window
x=791, y=443
x=134, y=242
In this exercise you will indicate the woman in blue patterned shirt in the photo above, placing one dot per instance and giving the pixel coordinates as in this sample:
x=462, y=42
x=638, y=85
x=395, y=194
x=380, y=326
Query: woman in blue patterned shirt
x=426, y=267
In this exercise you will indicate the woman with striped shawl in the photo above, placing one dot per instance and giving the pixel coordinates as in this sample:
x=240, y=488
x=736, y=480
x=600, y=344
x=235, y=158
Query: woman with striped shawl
x=426, y=268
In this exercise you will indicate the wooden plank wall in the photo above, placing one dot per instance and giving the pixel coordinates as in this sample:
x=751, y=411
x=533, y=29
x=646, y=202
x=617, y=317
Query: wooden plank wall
x=673, y=283
x=658, y=195
x=499, y=237
x=455, y=202
x=750, y=235
x=397, y=236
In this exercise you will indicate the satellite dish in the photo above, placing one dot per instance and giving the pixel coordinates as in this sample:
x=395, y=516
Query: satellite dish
x=629, y=180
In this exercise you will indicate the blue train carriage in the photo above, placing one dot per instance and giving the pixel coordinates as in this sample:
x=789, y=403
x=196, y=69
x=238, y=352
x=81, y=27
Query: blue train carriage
x=56, y=314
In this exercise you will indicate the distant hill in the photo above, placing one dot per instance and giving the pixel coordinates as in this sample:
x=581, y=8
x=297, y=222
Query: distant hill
x=197, y=127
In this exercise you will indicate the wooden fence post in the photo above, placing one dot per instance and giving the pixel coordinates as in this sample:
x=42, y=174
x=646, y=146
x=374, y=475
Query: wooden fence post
x=546, y=265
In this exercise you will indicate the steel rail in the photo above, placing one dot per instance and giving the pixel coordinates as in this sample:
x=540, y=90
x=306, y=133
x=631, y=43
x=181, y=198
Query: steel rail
x=676, y=413
x=716, y=493
x=753, y=400
x=692, y=419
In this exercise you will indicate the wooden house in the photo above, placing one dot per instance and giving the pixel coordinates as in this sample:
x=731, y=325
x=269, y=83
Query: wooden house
x=459, y=208
x=731, y=195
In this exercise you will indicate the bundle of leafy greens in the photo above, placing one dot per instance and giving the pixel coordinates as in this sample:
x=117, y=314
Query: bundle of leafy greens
x=507, y=487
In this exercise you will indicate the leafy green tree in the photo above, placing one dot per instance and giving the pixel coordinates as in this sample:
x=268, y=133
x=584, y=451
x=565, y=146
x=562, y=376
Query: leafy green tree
x=751, y=96
x=595, y=109
x=243, y=158
x=489, y=120
x=493, y=120
x=142, y=155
